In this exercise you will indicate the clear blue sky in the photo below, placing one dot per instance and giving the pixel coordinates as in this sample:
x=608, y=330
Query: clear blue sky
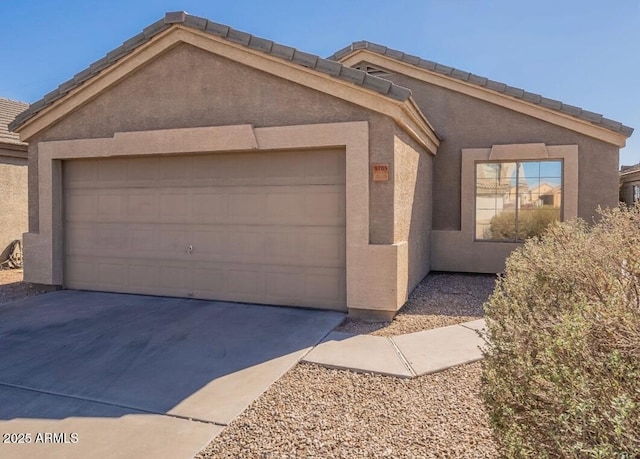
x=582, y=52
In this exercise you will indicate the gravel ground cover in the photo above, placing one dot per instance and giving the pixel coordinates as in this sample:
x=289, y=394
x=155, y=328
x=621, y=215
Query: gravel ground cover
x=315, y=412
x=12, y=288
x=441, y=299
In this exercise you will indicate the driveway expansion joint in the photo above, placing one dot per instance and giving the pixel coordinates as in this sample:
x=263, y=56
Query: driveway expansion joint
x=402, y=357
x=103, y=402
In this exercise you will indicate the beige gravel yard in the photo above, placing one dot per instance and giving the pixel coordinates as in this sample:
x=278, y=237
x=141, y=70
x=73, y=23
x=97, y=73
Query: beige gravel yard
x=441, y=299
x=12, y=288
x=315, y=412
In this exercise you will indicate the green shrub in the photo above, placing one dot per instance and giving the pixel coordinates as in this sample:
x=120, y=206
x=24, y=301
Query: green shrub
x=531, y=222
x=561, y=375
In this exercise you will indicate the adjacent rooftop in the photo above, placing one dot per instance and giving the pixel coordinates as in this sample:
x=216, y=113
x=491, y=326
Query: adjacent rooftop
x=9, y=109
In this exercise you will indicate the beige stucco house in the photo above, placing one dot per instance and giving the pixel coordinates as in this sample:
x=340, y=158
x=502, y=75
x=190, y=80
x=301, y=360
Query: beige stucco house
x=200, y=161
x=13, y=179
x=630, y=184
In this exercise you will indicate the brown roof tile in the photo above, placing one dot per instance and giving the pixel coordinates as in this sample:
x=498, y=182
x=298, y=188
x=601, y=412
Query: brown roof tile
x=358, y=77
x=577, y=112
x=9, y=109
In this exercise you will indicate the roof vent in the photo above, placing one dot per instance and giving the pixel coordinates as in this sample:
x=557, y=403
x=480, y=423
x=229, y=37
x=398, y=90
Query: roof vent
x=375, y=71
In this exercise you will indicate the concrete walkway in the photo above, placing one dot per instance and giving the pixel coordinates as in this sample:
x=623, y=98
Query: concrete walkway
x=404, y=356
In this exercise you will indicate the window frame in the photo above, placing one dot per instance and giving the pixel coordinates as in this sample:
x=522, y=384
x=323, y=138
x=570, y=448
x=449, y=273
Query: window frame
x=517, y=209
x=516, y=153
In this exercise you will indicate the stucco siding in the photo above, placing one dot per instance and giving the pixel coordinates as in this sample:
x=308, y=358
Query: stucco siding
x=13, y=201
x=413, y=204
x=465, y=122
x=194, y=88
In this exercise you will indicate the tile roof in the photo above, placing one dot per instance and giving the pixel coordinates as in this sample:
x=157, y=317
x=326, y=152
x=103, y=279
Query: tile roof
x=629, y=169
x=9, y=109
x=329, y=67
x=577, y=112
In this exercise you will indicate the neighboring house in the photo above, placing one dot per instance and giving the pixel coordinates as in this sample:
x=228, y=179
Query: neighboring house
x=630, y=184
x=199, y=161
x=13, y=179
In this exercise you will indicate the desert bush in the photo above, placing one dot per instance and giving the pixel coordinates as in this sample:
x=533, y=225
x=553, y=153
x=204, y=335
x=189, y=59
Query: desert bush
x=531, y=222
x=561, y=375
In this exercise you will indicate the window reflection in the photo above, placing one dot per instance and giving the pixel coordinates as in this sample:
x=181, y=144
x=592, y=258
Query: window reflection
x=517, y=200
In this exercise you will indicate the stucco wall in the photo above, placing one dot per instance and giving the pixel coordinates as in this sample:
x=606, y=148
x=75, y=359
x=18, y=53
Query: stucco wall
x=13, y=201
x=413, y=203
x=189, y=87
x=465, y=122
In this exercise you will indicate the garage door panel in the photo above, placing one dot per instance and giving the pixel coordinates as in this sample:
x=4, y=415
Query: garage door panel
x=143, y=239
x=80, y=205
x=208, y=281
x=112, y=237
x=142, y=204
x=142, y=169
x=174, y=242
x=112, y=275
x=111, y=170
x=83, y=271
x=288, y=205
x=84, y=238
x=326, y=247
x=248, y=206
x=209, y=206
x=173, y=168
x=290, y=246
x=80, y=174
x=263, y=227
x=285, y=284
x=324, y=285
x=175, y=205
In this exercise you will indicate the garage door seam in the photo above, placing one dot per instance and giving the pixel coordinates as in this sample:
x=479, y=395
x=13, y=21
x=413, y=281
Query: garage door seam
x=102, y=402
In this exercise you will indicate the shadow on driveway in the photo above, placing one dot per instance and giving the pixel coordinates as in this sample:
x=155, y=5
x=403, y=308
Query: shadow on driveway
x=74, y=353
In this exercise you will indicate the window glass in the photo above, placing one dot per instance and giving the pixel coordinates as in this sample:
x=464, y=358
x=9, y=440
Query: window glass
x=517, y=200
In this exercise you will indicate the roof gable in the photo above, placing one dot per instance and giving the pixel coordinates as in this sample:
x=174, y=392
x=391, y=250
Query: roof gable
x=341, y=81
x=355, y=52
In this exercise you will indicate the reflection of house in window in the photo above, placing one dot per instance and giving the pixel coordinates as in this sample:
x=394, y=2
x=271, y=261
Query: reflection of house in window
x=547, y=195
x=517, y=200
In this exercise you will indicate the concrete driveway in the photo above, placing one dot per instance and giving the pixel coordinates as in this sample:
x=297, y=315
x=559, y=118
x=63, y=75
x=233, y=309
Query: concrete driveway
x=135, y=376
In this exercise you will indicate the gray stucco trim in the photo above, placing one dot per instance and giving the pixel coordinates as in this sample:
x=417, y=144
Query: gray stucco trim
x=517, y=93
x=334, y=69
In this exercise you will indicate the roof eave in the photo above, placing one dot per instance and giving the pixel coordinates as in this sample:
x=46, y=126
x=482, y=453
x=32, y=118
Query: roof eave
x=377, y=95
x=180, y=18
x=602, y=128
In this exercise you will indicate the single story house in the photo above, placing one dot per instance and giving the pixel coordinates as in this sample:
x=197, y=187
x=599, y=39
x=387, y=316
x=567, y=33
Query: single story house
x=199, y=161
x=13, y=179
x=630, y=184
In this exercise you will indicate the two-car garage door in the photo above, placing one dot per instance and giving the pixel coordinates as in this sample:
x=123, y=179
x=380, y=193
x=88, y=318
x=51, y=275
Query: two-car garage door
x=260, y=227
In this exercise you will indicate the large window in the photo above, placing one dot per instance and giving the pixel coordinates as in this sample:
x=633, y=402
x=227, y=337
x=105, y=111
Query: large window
x=516, y=200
